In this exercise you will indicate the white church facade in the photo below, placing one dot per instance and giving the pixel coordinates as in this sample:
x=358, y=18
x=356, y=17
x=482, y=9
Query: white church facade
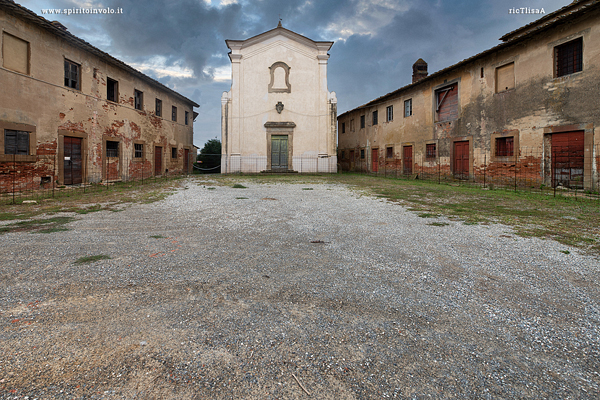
x=279, y=115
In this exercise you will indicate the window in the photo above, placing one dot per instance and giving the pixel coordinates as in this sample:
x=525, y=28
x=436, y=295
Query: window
x=407, y=108
x=173, y=152
x=362, y=154
x=504, y=146
x=447, y=103
x=112, y=148
x=430, y=150
x=481, y=75
x=505, y=77
x=16, y=142
x=389, y=152
x=138, y=151
x=174, y=114
x=362, y=122
x=71, y=75
x=138, y=98
x=158, y=107
x=389, y=113
x=568, y=57
x=375, y=117
x=112, y=90
x=343, y=127
x=15, y=53
x=187, y=116
x=343, y=155
x=351, y=125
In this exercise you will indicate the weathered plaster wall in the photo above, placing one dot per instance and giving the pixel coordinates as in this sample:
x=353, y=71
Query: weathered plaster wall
x=539, y=104
x=40, y=99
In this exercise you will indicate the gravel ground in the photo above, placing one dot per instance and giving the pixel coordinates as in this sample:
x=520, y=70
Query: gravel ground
x=279, y=292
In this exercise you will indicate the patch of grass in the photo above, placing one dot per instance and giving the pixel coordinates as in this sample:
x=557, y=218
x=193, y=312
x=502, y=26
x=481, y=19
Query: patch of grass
x=239, y=186
x=157, y=236
x=241, y=198
x=307, y=188
x=438, y=224
x=91, y=259
x=87, y=210
x=210, y=188
x=47, y=225
x=565, y=251
x=427, y=215
x=4, y=216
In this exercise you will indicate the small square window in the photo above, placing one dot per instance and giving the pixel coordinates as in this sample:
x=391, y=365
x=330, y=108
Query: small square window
x=505, y=146
x=430, y=150
x=16, y=142
x=407, y=108
x=174, y=113
x=15, y=53
x=138, y=98
x=362, y=122
x=138, y=150
x=71, y=75
x=389, y=152
x=505, y=78
x=375, y=117
x=112, y=148
x=343, y=127
x=569, y=57
x=158, y=107
x=112, y=90
x=173, y=152
x=389, y=113
x=362, y=154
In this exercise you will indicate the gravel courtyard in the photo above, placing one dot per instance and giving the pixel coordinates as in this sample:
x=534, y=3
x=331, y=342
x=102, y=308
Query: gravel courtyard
x=293, y=291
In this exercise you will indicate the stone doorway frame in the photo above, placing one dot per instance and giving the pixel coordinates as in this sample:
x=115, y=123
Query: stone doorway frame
x=280, y=129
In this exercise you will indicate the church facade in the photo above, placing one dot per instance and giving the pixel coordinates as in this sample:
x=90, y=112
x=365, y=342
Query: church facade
x=279, y=115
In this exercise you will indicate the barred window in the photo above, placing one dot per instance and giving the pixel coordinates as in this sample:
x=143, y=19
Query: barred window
x=569, y=57
x=112, y=148
x=505, y=146
x=138, y=150
x=389, y=152
x=430, y=150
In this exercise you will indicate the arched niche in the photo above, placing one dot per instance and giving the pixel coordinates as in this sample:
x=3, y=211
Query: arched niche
x=280, y=78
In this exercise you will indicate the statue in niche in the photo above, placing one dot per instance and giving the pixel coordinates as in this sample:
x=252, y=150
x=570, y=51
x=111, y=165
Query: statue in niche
x=280, y=78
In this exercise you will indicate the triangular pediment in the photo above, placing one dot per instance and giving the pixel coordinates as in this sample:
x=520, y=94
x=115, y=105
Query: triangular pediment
x=273, y=33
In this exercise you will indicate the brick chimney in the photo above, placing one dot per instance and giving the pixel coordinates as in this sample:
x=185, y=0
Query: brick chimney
x=419, y=70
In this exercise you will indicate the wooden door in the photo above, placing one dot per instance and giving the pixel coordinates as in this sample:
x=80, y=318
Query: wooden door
x=157, y=161
x=72, y=160
x=461, y=159
x=567, y=159
x=186, y=161
x=279, y=152
x=407, y=160
x=374, y=160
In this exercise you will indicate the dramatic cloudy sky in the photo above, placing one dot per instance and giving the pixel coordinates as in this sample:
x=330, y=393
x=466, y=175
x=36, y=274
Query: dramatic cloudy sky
x=181, y=43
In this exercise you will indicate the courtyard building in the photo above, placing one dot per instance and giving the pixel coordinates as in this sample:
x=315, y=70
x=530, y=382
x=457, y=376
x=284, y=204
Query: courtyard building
x=526, y=108
x=72, y=114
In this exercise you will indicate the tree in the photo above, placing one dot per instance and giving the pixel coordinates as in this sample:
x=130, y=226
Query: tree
x=209, y=158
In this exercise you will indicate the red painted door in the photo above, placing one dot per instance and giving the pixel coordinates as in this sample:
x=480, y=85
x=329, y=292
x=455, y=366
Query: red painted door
x=72, y=161
x=186, y=161
x=157, y=161
x=567, y=159
x=461, y=159
x=407, y=160
x=374, y=160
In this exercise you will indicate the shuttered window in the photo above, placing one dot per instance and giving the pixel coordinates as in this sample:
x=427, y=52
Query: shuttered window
x=430, y=150
x=447, y=103
x=71, y=75
x=505, y=77
x=15, y=53
x=16, y=142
